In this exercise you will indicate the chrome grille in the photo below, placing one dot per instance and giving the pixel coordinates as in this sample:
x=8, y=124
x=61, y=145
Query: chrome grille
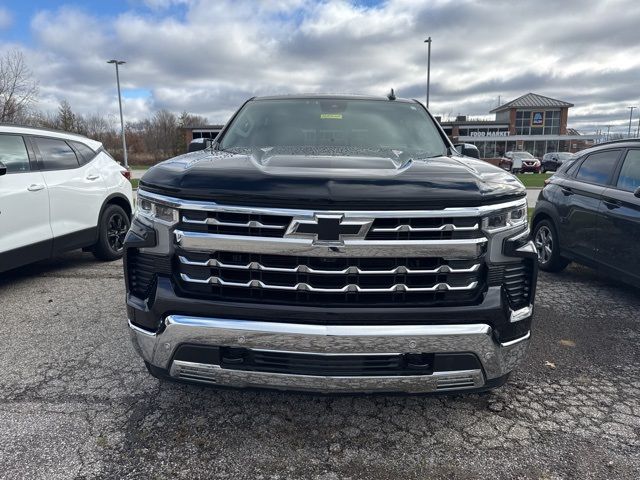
x=331, y=257
x=234, y=223
x=424, y=228
x=308, y=280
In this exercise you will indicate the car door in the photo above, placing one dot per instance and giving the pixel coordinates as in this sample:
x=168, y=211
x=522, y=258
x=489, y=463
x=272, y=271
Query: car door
x=76, y=193
x=618, y=247
x=579, y=206
x=25, y=233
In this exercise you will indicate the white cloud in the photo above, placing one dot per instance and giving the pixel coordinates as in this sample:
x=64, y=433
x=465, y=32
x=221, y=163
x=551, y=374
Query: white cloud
x=6, y=19
x=214, y=55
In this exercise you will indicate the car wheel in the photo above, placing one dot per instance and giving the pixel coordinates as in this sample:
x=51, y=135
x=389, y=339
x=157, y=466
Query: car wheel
x=545, y=239
x=112, y=228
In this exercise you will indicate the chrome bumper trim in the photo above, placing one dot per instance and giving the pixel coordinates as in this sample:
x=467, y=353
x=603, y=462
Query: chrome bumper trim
x=497, y=360
x=521, y=314
x=437, y=382
x=448, y=249
x=516, y=341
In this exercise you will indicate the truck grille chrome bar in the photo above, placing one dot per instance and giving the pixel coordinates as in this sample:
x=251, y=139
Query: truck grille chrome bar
x=215, y=221
x=213, y=262
x=399, y=287
x=210, y=242
x=447, y=227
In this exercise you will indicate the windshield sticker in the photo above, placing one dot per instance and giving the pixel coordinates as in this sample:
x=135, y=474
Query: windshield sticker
x=334, y=116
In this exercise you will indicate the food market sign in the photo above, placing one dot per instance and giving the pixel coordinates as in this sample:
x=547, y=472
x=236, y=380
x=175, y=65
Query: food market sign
x=488, y=134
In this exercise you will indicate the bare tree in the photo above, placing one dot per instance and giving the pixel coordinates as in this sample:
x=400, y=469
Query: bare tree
x=18, y=89
x=99, y=127
x=159, y=133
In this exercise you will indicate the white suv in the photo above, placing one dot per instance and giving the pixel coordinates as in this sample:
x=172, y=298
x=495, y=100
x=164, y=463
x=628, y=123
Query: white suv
x=59, y=192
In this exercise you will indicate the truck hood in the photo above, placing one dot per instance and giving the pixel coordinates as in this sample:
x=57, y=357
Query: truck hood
x=322, y=180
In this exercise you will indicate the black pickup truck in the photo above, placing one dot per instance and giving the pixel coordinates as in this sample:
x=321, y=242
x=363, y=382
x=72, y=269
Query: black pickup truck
x=334, y=244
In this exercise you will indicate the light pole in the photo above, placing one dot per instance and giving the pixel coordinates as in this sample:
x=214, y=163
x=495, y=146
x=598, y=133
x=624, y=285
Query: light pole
x=630, y=117
x=428, y=41
x=608, y=129
x=124, y=141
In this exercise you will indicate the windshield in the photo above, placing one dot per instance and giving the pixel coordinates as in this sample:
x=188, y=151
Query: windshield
x=335, y=127
x=564, y=156
x=522, y=155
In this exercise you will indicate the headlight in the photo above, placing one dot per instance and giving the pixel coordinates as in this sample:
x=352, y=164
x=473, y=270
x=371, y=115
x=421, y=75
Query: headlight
x=506, y=219
x=156, y=211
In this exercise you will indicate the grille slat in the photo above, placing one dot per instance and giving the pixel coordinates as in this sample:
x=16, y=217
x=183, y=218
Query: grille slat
x=418, y=228
x=262, y=225
x=212, y=262
x=247, y=224
x=334, y=365
x=141, y=270
x=448, y=227
x=351, y=287
x=517, y=284
x=230, y=223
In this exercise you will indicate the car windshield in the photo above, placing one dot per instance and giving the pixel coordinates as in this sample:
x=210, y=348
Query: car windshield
x=565, y=156
x=334, y=126
x=522, y=155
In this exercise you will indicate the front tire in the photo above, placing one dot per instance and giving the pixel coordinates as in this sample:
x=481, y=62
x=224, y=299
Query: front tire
x=112, y=228
x=546, y=241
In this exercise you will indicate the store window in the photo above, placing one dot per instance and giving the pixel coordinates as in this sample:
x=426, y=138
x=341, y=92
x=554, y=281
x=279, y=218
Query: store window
x=523, y=123
x=552, y=122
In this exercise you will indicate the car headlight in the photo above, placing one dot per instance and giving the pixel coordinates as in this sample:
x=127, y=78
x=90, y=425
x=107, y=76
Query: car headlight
x=156, y=211
x=513, y=218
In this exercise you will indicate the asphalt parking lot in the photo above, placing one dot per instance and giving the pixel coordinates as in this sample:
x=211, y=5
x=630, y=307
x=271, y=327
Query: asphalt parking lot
x=78, y=403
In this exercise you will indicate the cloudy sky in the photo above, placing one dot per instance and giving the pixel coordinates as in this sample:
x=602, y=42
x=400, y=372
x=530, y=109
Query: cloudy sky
x=207, y=57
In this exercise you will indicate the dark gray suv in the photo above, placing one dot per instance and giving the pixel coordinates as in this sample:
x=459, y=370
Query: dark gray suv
x=589, y=212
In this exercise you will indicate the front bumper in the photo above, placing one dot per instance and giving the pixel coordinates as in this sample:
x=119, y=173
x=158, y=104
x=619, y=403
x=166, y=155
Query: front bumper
x=496, y=359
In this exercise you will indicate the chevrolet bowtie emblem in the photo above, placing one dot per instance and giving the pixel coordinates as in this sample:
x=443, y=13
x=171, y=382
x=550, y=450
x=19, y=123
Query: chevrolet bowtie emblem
x=328, y=228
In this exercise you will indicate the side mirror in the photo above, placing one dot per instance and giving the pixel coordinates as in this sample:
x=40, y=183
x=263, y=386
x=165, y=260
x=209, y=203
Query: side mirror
x=468, y=150
x=3, y=169
x=635, y=194
x=471, y=152
x=200, y=144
